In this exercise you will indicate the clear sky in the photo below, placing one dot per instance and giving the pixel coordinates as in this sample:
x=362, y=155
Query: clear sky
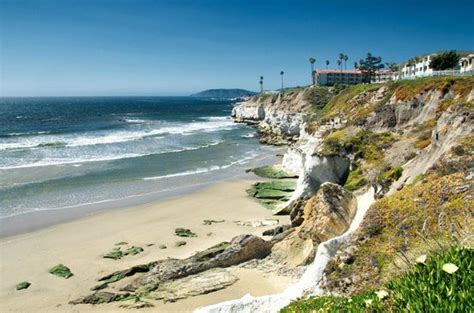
x=141, y=47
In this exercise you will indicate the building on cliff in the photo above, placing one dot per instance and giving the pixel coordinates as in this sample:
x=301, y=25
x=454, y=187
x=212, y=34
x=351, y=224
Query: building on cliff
x=467, y=64
x=332, y=77
x=421, y=67
x=415, y=68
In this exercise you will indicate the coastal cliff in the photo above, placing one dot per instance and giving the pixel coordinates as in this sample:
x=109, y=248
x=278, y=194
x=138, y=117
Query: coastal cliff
x=409, y=140
x=373, y=177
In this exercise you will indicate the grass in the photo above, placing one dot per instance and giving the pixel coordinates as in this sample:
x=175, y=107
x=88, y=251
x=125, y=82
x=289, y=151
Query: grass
x=390, y=175
x=61, y=270
x=405, y=89
x=353, y=102
x=356, y=178
x=365, y=145
x=318, y=97
x=396, y=226
x=344, y=103
x=426, y=287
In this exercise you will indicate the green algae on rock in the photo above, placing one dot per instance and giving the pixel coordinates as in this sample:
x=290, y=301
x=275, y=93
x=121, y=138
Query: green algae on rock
x=23, y=285
x=117, y=253
x=180, y=243
x=61, y=271
x=184, y=232
x=272, y=172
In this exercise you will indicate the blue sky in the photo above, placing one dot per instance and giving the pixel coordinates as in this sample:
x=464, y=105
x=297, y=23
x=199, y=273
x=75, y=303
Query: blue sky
x=141, y=47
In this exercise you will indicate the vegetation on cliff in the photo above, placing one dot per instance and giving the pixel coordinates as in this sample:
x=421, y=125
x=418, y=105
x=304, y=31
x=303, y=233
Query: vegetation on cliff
x=382, y=128
x=440, y=282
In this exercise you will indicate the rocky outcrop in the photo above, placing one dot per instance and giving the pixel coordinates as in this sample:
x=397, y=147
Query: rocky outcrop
x=313, y=169
x=326, y=215
x=451, y=127
x=194, y=285
x=242, y=248
x=169, y=276
x=279, y=117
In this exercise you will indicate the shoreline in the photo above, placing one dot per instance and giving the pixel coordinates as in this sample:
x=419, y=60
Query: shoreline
x=80, y=244
x=40, y=219
x=31, y=221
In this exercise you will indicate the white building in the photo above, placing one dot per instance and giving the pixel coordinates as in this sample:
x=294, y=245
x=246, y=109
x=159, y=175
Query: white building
x=466, y=64
x=384, y=75
x=418, y=67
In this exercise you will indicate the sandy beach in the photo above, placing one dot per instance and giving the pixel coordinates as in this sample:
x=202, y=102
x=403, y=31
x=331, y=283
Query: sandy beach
x=81, y=244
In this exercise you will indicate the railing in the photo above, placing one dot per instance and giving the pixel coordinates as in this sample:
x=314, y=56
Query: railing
x=439, y=73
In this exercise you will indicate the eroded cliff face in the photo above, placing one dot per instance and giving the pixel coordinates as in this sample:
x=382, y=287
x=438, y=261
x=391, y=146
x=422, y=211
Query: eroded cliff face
x=279, y=117
x=326, y=215
x=402, y=138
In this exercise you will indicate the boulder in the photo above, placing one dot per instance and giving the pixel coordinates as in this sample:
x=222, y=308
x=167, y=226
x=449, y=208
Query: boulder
x=194, y=285
x=240, y=249
x=169, y=276
x=326, y=215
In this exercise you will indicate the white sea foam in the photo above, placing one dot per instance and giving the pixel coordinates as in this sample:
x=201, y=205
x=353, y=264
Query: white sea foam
x=110, y=157
x=85, y=139
x=205, y=170
x=251, y=135
x=134, y=120
x=216, y=118
x=76, y=162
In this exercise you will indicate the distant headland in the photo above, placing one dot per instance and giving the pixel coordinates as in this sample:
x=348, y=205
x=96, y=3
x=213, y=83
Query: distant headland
x=224, y=93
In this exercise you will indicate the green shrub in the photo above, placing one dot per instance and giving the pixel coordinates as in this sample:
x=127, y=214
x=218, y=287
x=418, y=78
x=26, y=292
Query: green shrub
x=391, y=175
x=428, y=287
x=318, y=97
x=356, y=178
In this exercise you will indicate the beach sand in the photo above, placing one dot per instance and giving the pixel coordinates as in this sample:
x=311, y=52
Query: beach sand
x=80, y=245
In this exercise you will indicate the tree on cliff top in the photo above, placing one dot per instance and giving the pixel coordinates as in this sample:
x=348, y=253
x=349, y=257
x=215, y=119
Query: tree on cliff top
x=313, y=77
x=369, y=66
x=445, y=61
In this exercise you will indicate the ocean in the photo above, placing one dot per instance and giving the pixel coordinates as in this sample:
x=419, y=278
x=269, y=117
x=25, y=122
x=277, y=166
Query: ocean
x=77, y=155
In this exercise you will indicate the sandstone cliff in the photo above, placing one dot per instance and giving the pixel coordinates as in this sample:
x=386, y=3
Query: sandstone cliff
x=411, y=140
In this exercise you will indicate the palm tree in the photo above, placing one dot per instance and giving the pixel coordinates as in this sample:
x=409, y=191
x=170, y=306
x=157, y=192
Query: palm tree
x=345, y=61
x=327, y=64
x=312, y=61
x=339, y=64
x=281, y=74
x=261, y=84
x=341, y=58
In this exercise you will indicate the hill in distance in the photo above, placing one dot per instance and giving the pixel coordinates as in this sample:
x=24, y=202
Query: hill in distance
x=224, y=93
